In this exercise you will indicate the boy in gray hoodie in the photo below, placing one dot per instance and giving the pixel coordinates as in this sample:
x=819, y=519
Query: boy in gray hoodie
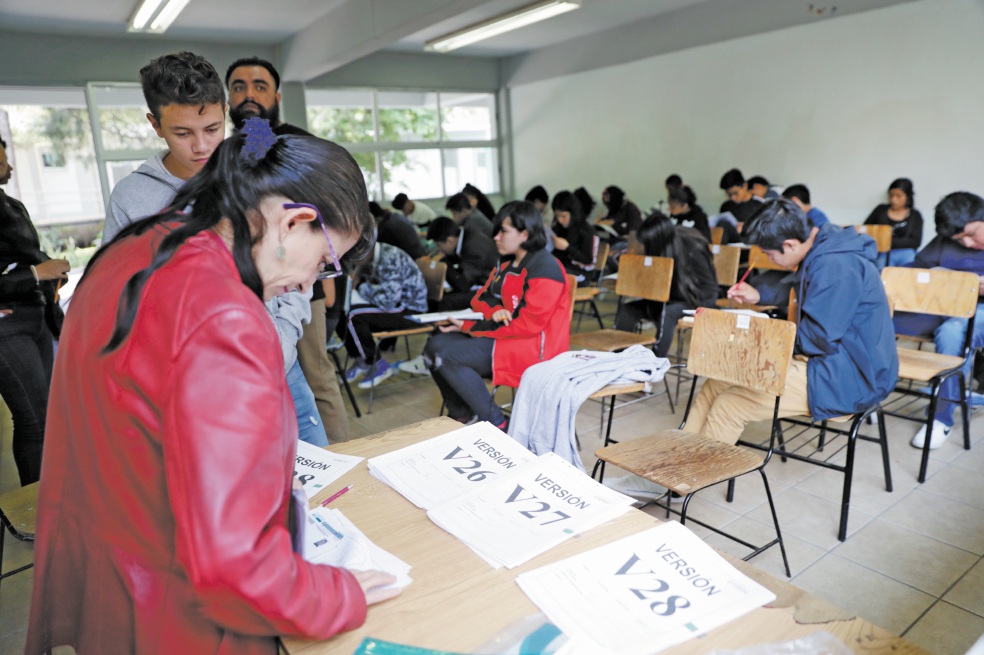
x=186, y=100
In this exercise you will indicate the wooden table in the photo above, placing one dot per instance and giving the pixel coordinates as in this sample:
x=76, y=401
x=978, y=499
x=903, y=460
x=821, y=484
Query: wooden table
x=458, y=602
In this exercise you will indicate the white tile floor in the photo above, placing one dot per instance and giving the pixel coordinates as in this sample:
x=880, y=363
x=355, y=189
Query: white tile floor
x=913, y=561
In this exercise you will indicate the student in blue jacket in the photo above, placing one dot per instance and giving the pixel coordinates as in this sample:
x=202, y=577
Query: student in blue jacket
x=845, y=328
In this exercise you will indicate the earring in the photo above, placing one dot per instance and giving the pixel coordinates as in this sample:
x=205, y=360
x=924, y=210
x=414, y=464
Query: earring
x=281, y=252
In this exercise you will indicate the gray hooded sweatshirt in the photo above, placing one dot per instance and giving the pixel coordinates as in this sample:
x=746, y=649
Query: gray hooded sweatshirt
x=142, y=193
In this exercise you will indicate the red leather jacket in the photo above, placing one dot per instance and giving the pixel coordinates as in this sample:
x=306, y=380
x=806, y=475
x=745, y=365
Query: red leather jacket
x=537, y=295
x=166, y=475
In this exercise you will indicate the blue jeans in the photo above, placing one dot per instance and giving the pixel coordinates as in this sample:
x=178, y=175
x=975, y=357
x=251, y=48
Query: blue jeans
x=948, y=336
x=899, y=257
x=309, y=427
x=458, y=364
x=26, y=358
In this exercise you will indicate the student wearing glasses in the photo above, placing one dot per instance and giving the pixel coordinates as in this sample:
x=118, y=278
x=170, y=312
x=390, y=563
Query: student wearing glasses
x=166, y=477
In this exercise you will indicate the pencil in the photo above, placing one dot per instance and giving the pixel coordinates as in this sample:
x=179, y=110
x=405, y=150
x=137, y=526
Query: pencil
x=336, y=495
x=743, y=278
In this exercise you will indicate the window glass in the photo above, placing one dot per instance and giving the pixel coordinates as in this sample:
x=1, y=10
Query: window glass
x=416, y=173
x=123, y=122
x=407, y=117
x=478, y=166
x=49, y=144
x=467, y=116
x=341, y=116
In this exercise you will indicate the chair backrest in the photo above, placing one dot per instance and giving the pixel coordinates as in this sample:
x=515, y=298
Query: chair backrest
x=601, y=258
x=717, y=235
x=18, y=510
x=571, y=291
x=938, y=292
x=726, y=260
x=743, y=350
x=435, y=273
x=758, y=259
x=882, y=234
x=646, y=277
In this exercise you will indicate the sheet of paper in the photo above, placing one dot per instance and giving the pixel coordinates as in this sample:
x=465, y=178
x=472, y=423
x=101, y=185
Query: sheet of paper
x=316, y=468
x=515, y=517
x=642, y=594
x=434, y=317
x=330, y=538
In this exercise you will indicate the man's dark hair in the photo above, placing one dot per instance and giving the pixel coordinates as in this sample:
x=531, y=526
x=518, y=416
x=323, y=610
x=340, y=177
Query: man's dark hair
x=254, y=61
x=458, y=202
x=441, y=228
x=183, y=78
x=798, y=191
x=673, y=181
x=757, y=179
x=955, y=211
x=399, y=201
x=376, y=210
x=731, y=178
x=776, y=221
x=538, y=193
x=523, y=216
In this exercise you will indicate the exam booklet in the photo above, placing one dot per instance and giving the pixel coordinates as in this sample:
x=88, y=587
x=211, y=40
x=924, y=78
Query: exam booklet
x=316, y=468
x=330, y=538
x=516, y=516
x=434, y=317
x=641, y=594
x=433, y=471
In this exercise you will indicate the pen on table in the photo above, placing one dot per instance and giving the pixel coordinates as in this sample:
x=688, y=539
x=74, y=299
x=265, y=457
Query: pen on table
x=743, y=278
x=336, y=495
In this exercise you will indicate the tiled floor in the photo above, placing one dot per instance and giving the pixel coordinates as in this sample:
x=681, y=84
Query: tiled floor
x=913, y=561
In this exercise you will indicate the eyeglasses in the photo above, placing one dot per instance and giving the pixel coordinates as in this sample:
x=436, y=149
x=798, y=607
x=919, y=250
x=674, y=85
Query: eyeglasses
x=325, y=273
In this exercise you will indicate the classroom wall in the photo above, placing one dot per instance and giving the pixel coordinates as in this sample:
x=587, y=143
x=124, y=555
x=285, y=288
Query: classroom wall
x=844, y=105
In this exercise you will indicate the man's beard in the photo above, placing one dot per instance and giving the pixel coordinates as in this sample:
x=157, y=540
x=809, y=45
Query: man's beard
x=239, y=116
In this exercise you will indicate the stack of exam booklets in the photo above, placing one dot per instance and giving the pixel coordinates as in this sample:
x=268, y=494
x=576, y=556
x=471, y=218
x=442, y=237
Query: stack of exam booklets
x=316, y=468
x=500, y=500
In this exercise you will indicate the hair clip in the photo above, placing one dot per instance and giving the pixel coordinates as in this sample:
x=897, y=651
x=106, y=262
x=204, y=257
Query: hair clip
x=259, y=139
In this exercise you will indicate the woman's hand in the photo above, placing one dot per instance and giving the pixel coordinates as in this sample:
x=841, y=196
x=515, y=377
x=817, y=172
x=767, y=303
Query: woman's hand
x=744, y=293
x=373, y=583
x=454, y=325
x=502, y=316
x=53, y=269
x=559, y=243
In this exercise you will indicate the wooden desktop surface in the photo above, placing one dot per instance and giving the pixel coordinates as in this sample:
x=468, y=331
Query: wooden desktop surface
x=457, y=602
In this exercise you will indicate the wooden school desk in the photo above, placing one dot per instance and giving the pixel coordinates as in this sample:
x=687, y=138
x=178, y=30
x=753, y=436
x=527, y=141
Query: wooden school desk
x=458, y=602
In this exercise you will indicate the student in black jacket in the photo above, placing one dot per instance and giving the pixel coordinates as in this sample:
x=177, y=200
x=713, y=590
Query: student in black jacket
x=574, y=242
x=397, y=230
x=906, y=222
x=470, y=256
x=687, y=213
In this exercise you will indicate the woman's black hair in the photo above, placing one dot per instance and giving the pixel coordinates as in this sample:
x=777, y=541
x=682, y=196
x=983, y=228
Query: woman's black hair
x=523, y=216
x=904, y=185
x=661, y=238
x=300, y=168
x=587, y=202
x=682, y=195
x=483, y=205
x=616, y=198
x=565, y=201
x=538, y=193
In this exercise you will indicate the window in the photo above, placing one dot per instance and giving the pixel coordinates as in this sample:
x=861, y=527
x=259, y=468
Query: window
x=49, y=144
x=422, y=143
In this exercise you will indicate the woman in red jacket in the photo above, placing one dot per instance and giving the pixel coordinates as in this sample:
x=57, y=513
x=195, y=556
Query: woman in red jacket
x=527, y=319
x=171, y=435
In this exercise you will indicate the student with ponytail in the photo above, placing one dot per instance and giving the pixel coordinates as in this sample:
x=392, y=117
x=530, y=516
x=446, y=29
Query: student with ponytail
x=163, y=516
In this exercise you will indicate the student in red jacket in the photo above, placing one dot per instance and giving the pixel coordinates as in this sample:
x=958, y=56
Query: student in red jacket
x=527, y=319
x=170, y=444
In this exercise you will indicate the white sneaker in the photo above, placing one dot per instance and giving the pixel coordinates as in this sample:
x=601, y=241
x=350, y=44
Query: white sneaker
x=414, y=366
x=636, y=486
x=941, y=432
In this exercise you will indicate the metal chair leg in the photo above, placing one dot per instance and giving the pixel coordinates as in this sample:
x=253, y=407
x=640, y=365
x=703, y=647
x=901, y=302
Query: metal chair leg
x=345, y=383
x=775, y=520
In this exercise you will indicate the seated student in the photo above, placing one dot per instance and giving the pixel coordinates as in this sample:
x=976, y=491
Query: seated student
x=574, y=243
x=396, y=230
x=479, y=200
x=187, y=109
x=906, y=222
x=391, y=286
x=418, y=213
x=845, y=328
x=623, y=215
x=587, y=202
x=672, y=181
x=800, y=195
x=694, y=281
x=740, y=203
x=467, y=216
x=761, y=189
x=686, y=212
x=527, y=310
x=470, y=258
x=538, y=196
x=959, y=246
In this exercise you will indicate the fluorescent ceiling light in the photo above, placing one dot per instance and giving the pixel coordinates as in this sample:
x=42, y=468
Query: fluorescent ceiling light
x=521, y=17
x=150, y=16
